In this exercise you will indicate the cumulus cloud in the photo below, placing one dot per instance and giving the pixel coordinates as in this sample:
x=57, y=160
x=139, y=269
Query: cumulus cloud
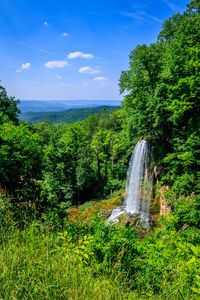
x=24, y=66
x=46, y=23
x=100, y=79
x=56, y=64
x=89, y=70
x=79, y=54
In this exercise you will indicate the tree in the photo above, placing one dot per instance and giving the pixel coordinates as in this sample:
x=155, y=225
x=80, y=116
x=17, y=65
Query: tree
x=20, y=162
x=140, y=83
x=163, y=92
x=8, y=107
x=194, y=6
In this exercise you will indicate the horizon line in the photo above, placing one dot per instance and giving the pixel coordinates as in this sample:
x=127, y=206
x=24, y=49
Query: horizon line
x=71, y=100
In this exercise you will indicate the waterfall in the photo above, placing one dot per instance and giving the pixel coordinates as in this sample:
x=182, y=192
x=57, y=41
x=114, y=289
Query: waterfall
x=139, y=186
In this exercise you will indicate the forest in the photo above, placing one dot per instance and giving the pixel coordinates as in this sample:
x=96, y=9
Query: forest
x=70, y=115
x=58, y=183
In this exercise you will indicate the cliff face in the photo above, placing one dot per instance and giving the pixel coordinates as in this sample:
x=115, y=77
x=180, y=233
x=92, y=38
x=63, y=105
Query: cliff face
x=165, y=209
x=159, y=205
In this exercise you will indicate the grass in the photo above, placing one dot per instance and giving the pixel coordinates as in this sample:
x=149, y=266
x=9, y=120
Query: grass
x=91, y=260
x=31, y=269
x=34, y=267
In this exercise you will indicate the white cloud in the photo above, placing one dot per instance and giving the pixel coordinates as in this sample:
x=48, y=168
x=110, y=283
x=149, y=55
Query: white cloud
x=100, y=79
x=56, y=64
x=79, y=54
x=89, y=70
x=64, y=34
x=46, y=23
x=59, y=77
x=24, y=66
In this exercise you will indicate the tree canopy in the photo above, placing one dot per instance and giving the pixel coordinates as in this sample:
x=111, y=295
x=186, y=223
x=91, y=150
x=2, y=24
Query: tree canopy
x=162, y=89
x=8, y=107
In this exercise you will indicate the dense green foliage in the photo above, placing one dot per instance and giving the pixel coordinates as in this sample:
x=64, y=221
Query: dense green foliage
x=68, y=116
x=162, y=102
x=46, y=165
x=45, y=168
x=73, y=163
x=21, y=159
x=8, y=107
x=54, y=260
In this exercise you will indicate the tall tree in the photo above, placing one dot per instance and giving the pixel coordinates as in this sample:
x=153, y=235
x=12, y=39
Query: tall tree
x=162, y=89
x=20, y=161
x=8, y=107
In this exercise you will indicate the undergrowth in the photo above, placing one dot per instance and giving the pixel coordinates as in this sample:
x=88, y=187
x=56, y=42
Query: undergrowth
x=97, y=260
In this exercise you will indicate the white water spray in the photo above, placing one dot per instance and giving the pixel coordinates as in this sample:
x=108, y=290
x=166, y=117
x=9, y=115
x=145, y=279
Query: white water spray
x=139, y=186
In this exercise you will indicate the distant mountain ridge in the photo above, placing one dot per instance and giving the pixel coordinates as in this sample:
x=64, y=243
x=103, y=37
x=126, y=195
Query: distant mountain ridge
x=67, y=116
x=61, y=105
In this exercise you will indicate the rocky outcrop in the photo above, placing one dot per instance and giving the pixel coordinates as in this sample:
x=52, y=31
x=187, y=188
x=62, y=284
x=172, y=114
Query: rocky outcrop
x=129, y=220
x=165, y=208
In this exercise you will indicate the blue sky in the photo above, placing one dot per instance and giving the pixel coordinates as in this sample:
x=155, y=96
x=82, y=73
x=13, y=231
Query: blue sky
x=67, y=49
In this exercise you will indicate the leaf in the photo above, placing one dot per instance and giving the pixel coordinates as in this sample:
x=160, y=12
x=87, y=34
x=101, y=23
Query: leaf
x=195, y=250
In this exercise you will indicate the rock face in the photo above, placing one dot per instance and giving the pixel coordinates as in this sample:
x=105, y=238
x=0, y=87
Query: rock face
x=165, y=209
x=129, y=220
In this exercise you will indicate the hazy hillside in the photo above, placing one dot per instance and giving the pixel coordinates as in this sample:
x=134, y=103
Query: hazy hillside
x=67, y=116
x=53, y=106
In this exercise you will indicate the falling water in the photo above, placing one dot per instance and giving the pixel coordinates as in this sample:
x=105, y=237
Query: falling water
x=139, y=186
